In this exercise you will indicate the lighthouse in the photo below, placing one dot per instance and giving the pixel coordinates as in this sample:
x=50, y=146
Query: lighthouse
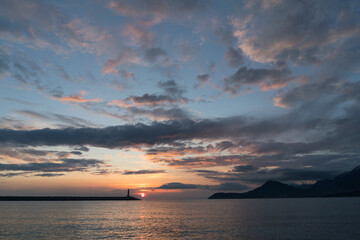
x=128, y=195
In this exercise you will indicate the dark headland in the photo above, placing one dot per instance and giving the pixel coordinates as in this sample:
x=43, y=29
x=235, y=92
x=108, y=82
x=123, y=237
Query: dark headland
x=66, y=198
x=343, y=185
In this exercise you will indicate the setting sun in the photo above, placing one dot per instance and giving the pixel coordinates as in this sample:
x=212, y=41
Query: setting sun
x=142, y=194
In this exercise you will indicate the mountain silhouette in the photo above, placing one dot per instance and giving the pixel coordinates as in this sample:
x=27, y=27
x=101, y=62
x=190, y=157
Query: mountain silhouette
x=343, y=185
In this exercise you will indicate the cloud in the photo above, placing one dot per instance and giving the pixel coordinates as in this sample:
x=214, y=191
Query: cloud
x=157, y=107
x=224, y=32
x=220, y=187
x=121, y=136
x=171, y=88
x=64, y=165
x=177, y=185
x=79, y=98
x=32, y=114
x=64, y=121
x=234, y=57
x=261, y=175
x=154, y=12
x=139, y=35
x=140, y=172
x=228, y=141
x=202, y=79
x=38, y=24
x=12, y=123
x=49, y=175
x=153, y=100
x=156, y=55
x=331, y=90
x=9, y=175
x=202, y=161
x=160, y=114
x=305, y=36
x=127, y=56
x=264, y=78
x=244, y=168
x=34, y=155
x=188, y=50
x=81, y=148
x=4, y=59
x=162, y=132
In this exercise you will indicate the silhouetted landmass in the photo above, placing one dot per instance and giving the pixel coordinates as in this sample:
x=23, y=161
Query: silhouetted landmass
x=63, y=198
x=343, y=185
x=347, y=194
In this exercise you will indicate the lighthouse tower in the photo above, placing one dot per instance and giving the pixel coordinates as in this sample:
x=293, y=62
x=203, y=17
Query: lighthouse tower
x=128, y=195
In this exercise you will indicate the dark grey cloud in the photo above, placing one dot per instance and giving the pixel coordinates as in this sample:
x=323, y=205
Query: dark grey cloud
x=81, y=148
x=244, y=168
x=49, y=174
x=333, y=91
x=248, y=140
x=202, y=80
x=153, y=99
x=171, y=88
x=156, y=55
x=261, y=175
x=261, y=77
x=65, y=165
x=234, y=57
x=160, y=114
x=156, y=106
x=126, y=135
x=145, y=171
x=9, y=175
x=177, y=185
x=221, y=187
x=76, y=152
x=171, y=131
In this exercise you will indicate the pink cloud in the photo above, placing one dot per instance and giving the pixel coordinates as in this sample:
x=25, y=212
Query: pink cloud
x=127, y=56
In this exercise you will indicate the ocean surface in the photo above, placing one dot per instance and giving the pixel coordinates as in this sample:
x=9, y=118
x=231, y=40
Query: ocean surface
x=316, y=218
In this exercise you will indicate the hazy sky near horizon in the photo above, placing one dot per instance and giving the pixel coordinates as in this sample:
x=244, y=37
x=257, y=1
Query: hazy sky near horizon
x=178, y=97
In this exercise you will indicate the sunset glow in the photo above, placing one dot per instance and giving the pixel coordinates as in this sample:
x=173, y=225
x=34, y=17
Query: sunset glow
x=176, y=98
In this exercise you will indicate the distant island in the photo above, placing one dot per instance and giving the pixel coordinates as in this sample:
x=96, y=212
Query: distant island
x=66, y=198
x=343, y=185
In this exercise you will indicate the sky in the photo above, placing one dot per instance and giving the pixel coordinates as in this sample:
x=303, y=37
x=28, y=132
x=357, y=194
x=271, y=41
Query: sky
x=176, y=99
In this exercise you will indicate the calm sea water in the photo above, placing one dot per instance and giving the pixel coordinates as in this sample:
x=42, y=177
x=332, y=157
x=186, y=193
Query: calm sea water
x=184, y=219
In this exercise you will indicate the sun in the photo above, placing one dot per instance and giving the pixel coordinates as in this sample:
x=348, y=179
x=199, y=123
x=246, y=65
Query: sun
x=142, y=194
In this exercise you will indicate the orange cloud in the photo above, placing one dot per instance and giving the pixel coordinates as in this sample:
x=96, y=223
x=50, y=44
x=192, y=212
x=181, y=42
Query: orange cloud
x=78, y=98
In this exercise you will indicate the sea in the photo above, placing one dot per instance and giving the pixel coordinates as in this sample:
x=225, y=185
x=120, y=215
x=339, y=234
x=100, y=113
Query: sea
x=258, y=219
